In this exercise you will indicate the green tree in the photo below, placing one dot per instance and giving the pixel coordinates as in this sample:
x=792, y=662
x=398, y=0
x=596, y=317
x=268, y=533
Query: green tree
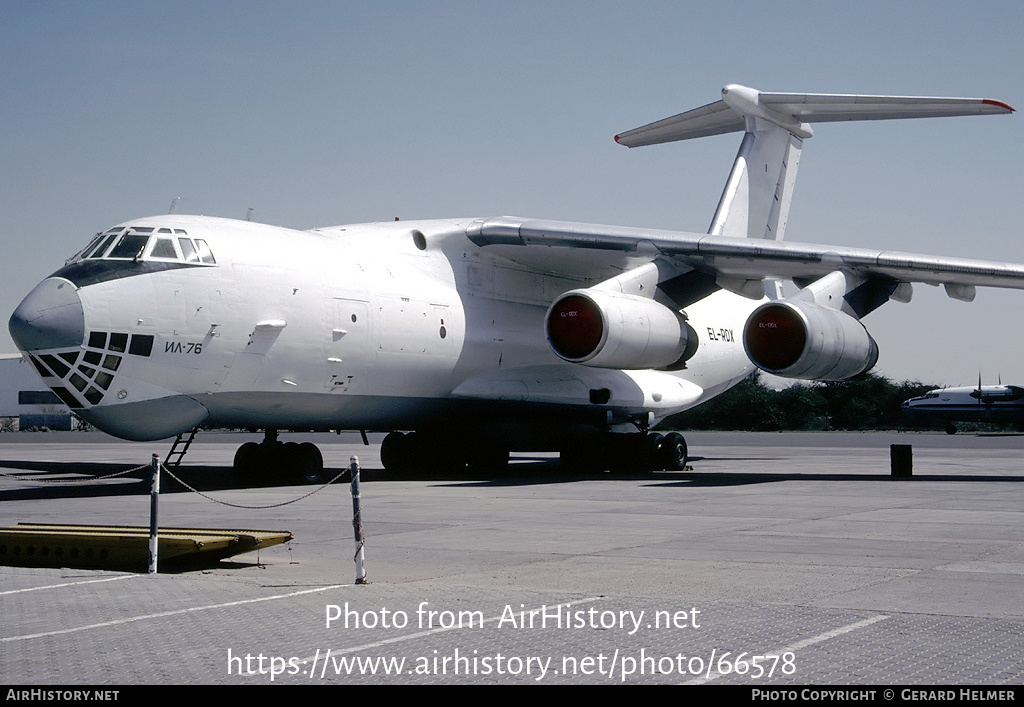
x=749, y=405
x=868, y=401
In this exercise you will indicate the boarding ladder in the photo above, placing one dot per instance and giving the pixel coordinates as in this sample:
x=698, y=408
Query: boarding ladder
x=181, y=444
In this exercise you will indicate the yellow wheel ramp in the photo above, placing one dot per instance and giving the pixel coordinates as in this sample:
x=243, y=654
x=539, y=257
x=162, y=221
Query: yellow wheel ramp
x=125, y=547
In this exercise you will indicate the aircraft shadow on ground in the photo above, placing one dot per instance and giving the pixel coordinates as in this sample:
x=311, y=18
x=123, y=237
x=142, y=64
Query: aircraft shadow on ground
x=54, y=480
x=97, y=479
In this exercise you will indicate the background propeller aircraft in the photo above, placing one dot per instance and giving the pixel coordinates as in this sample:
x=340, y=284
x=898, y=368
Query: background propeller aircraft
x=469, y=338
x=1000, y=403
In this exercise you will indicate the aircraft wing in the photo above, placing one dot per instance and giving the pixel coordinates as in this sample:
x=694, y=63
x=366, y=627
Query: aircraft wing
x=734, y=261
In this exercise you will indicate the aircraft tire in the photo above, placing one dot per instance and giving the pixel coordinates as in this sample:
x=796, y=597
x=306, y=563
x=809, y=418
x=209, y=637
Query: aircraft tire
x=286, y=455
x=248, y=459
x=309, y=463
x=395, y=452
x=628, y=453
x=655, y=443
x=673, y=452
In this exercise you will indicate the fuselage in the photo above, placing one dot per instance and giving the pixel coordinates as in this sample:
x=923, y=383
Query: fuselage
x=165, y=323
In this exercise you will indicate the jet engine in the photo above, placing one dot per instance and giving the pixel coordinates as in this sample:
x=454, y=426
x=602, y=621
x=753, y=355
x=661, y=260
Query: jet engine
x=608, y=329
x=796, y=339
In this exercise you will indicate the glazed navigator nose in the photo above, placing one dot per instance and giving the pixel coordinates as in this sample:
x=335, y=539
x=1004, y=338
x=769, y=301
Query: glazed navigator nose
x=49, y=317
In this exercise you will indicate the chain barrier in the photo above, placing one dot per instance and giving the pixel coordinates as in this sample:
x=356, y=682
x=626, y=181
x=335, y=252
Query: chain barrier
x=166, y=470
x=238, y=505
x=89, y=480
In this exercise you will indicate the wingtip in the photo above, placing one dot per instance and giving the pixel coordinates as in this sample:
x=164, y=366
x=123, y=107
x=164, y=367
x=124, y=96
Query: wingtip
x=1000, y=104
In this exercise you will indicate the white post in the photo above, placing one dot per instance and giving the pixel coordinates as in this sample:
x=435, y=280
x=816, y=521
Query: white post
x=357, y=522
x=154, y=504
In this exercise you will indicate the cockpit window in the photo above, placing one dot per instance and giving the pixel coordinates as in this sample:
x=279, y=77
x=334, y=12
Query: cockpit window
x=92, y=244
x=144, y=243
x=131, y=245
x=164, y=248
x=188, y=250
x=204, y=251
x=100, y=248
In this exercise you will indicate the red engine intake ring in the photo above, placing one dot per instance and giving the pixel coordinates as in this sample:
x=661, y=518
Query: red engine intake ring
x=575, y=327
x=775, y=337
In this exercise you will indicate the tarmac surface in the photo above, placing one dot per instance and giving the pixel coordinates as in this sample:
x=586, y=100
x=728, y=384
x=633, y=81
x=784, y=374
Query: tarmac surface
x=779, y=560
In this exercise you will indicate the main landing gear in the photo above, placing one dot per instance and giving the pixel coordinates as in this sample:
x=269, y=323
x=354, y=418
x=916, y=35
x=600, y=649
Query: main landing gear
x=667, y=452
x=408, y=451
x=301, y=460
x=637, y=452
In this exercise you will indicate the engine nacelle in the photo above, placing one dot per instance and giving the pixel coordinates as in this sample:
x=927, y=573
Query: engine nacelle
x=797, y=339
x=608, y=329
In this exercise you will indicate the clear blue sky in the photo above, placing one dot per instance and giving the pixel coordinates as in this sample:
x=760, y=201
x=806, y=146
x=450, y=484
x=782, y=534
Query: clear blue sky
x=320, y=113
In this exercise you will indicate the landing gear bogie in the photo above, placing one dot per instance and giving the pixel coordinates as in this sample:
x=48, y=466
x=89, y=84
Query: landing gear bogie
x=302, y=461
x=404, y=452
x=626, y=453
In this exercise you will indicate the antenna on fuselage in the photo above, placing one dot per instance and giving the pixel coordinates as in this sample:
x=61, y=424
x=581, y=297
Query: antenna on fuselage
x=174, y=204
x=248, y=214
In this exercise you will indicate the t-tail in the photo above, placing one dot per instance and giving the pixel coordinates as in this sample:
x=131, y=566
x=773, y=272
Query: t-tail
x=757, y=195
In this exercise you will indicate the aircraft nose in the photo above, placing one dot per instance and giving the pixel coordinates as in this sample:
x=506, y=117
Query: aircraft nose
x=50, y=317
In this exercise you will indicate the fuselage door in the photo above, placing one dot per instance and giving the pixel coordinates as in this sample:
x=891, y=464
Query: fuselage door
x=349, y=349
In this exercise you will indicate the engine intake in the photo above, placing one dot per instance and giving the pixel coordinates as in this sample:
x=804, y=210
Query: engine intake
x=797, y=339
x=608, y=329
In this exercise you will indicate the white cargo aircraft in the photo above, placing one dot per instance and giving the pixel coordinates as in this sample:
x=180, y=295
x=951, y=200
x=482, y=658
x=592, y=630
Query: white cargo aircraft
x=468, y=338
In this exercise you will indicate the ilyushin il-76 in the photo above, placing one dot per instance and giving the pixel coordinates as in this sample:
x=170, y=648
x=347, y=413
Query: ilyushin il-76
x=468, y=338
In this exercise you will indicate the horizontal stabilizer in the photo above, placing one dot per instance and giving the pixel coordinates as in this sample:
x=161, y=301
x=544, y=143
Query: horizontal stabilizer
x=793, y=110
x=713, y=119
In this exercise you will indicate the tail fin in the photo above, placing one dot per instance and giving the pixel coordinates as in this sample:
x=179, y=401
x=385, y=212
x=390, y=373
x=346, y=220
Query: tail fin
x=755, y=202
